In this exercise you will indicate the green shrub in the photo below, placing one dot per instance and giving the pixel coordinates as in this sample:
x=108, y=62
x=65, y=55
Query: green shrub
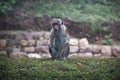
x=6, y=5
x=107, y=40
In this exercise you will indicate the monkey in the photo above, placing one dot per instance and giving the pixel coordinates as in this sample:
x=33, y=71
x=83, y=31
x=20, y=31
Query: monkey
x=59, y=40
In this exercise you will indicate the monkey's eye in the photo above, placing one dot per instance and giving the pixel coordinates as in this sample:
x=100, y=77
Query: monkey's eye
x=55, y=24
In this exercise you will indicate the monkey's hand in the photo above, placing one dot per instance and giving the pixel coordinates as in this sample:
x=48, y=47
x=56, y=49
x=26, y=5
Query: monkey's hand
x=50, y=46
x=67, y=42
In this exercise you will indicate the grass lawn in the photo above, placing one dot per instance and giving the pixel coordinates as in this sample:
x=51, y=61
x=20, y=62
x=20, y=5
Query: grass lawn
x=70, y=69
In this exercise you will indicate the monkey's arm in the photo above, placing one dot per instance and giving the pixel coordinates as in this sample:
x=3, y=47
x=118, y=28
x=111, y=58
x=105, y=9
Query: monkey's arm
x=66, y=36
x=51, y=39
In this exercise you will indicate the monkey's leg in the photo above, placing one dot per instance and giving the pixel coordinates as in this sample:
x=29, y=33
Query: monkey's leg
x=65, y=52
x=53, y=52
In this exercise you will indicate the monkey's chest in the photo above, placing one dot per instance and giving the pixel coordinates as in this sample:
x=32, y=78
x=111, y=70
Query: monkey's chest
x=58, y=42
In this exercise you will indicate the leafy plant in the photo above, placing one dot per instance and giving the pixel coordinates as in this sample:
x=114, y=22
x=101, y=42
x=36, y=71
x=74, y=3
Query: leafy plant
x=95, y=29
x=6, y=5
x=108, y=39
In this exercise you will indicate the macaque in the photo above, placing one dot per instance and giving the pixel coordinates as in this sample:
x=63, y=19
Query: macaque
x=59, y=40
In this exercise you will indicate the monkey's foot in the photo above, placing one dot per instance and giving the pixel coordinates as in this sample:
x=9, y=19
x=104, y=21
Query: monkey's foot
x=61, y=58
x=64, y=58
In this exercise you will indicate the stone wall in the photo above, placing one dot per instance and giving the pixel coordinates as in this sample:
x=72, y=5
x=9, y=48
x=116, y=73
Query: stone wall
x=35, y=44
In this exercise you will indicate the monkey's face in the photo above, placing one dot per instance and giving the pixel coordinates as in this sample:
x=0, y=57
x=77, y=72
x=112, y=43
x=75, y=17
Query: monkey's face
x=56, y=26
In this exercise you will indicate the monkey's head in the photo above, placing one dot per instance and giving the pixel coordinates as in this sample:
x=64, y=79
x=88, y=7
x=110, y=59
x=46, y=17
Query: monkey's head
x=56, y=24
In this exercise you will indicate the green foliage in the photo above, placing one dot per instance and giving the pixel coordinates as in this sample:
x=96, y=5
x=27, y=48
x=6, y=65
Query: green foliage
x=6, y=5
x=70, y=69
x=96, y=29
x=77, y=10
x=107, y=40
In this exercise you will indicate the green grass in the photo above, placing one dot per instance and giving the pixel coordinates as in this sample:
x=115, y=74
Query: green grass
x=70, y=69
x=77, y=10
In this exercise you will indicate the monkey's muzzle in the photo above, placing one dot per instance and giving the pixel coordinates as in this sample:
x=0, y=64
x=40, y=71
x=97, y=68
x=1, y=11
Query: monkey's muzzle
x=56, y=27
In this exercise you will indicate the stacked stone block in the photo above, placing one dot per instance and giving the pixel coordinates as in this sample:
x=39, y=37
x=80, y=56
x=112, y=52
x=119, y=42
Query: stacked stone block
x=35, y=44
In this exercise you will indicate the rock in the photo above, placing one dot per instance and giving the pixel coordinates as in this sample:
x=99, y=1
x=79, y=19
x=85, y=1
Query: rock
x=83, y=42
x=42, y=49
x=23, y=43
x=42, y=38
x=97, y=55
x=106, y=51
x=46, y=55
x=18, y=54
x=116, y=51
x=29, y=36
x=9, y=50
x=37, y=35
x=3, y=53
x=27, y=42
x=46, y=35
x=72, y=55
x=74, y=49
x=81, y=54
x=42, y=43
x=34, y=55
x=29, y=49
x=84, y=49
x=15, y=50
x=73, y=42
x=31, y=42
x=20, y=37
x=96, y=49
x=11, y=43
x=2, y=43
x=88, y=54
